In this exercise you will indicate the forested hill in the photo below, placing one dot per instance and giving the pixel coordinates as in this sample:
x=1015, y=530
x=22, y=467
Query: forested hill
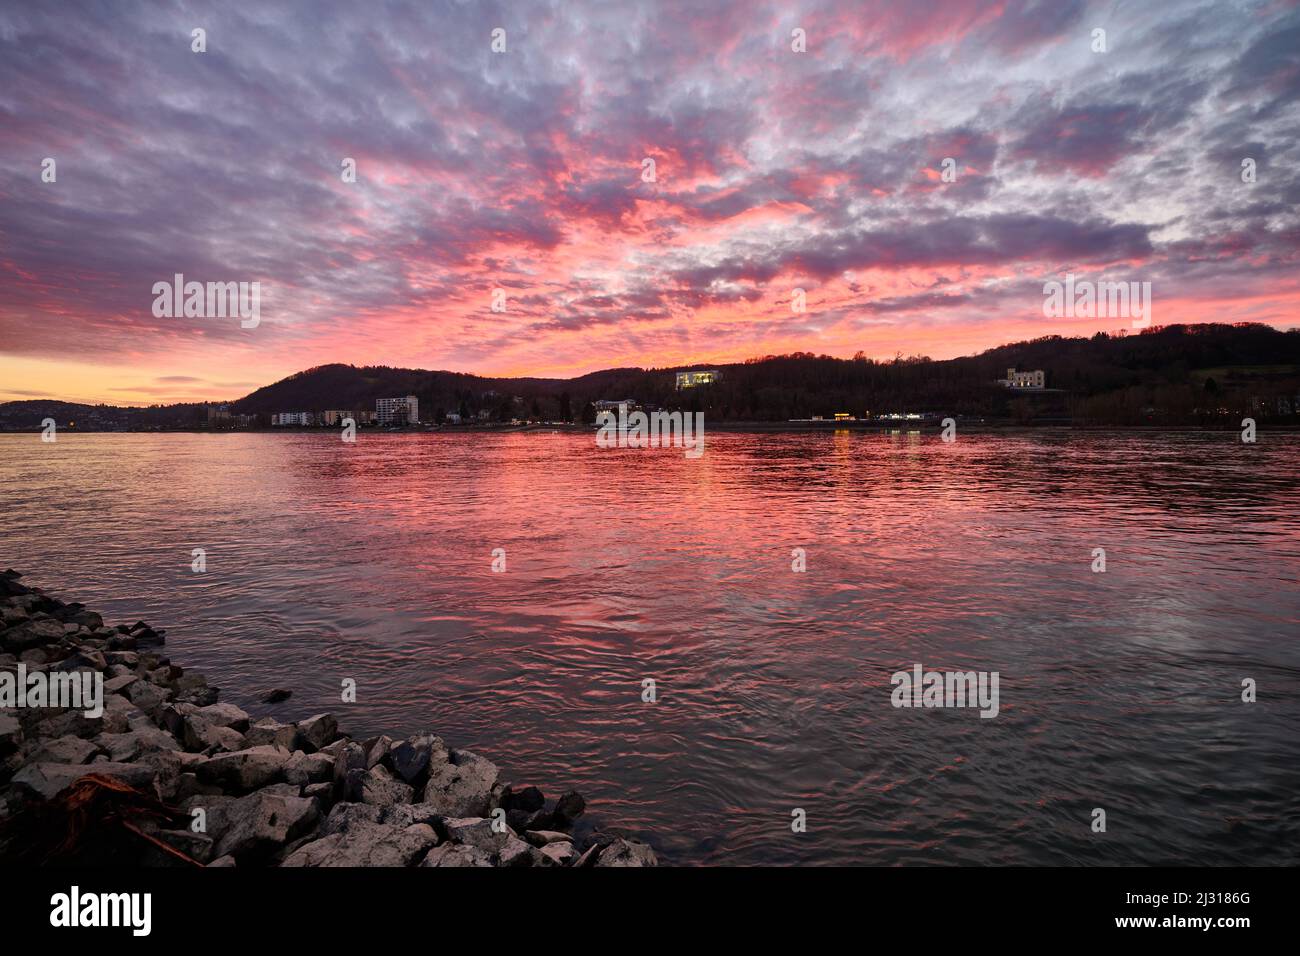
x=1174, y=374
x=1174, y=370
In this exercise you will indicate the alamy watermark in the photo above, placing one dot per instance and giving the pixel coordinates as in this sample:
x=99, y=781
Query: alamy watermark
x=213, y=300
x=920, y=688
x=654, y=430
x=75, y=909
x=1086, y=299
x=71, y=690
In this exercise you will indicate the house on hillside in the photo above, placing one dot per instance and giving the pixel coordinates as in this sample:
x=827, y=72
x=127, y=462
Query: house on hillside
x=1023, y=380
x=703, y=376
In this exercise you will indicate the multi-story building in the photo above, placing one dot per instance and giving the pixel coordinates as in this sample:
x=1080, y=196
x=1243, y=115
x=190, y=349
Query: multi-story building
x=397, y=411
x=218, y=414
x=293, y=418
x=335, y=417
x=1016, y=379
x=703, y=376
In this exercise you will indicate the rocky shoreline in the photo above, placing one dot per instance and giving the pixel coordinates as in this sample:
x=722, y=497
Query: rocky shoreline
x=166, y=775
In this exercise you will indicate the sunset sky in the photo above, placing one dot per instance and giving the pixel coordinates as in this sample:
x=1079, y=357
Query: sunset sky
x=522, y=170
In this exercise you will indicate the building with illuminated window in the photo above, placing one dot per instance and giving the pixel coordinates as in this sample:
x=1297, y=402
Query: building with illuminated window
x=697, y=377
x=293, y=418
x=397, y=411
x=1016, y=379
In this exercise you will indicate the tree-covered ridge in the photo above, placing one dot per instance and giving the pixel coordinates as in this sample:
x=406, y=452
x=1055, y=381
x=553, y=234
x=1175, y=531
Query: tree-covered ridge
x=1171, y=375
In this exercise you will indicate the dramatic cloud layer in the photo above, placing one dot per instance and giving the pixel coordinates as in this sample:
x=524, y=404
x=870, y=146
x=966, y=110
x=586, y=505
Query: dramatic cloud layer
x=523, y=171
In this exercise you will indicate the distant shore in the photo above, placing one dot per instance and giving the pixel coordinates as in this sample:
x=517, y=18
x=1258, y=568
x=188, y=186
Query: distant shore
x=963, y=425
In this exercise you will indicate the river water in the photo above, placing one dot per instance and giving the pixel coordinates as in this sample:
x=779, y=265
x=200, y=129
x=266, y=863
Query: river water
x=373, y=561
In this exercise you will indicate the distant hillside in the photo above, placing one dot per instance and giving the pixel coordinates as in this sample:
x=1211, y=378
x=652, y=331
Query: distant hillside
x=1103, y=377
x=349, y=386
x=1173, y=375
x=30, y=413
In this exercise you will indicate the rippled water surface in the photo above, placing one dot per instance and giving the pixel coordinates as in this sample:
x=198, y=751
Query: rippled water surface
x=373, y=561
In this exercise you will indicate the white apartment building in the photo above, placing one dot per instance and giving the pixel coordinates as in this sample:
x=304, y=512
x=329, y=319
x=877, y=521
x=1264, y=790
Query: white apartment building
x=293, y=418
x=1016, y=379
x=397, y=411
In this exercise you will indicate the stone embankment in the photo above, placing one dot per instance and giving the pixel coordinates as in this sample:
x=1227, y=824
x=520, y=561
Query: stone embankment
x=155, y=770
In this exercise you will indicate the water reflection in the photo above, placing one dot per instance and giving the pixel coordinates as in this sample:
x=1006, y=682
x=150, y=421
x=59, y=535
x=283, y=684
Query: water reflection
x=373, y=561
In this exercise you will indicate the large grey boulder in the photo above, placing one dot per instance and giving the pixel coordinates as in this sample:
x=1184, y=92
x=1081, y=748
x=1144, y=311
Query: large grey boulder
x=262, y=822
x=215, y=816
x=315, y=732
x=133, y=743
x=284, y=789
x=245, y=770
x=411, y=757
x=224, y=715
x=561, y=854
x=119, y=683
x=626, y=853
x=116, y=719
x=453, y=854
x=366, y=844
x=345, y=816
x=350, y=771
x=303, y=768
x=543, y=837
x=404, y=814
x=477, y=832
x=220, y=739
x=323, y=793
x=46, y=780
x=194, y=689
x=11, y=616
x=377, y=749
x=68, y=749
x=351, y=756
x=569, y=807
x=122, y=658
x=82, y=659
x=32, y=634
x=177, y=719
x=166, y=765
x=202, y=728
x=87, y=619
x=335, y=748
x=461, y=787
x=516, y=852
x=119, y=712
x=147, y=696
x=268, y=730
x=378, y=786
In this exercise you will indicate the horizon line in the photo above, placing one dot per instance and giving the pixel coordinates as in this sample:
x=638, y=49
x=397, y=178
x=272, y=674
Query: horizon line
x=1121, y=332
